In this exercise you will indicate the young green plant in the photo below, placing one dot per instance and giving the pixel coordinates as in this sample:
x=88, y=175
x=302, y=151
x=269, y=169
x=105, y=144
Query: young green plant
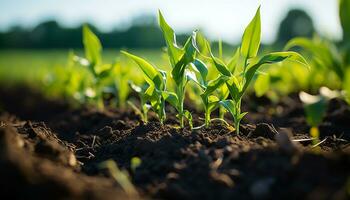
x=118, y=85
x=330, y=57
x=241, y=74
x=156, y=80
x=93, y=62
x=141, y=91
x=179, y=58
x=210, y=101
x=315, y=107
x=121, y=176
x=203, y=48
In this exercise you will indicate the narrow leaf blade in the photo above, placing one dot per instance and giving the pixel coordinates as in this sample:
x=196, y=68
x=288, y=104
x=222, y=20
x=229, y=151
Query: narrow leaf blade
x=251, y=37
x=229, y=106
x=152, y=74
x=170, y=39
x=92, y=46
x=171, y=98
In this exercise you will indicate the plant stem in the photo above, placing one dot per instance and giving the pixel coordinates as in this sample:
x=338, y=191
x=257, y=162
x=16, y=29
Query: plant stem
x=181, y=115
x=161, y=119
x=237, y=122
x=207, y=118
x=221, y=112
x=162, y=112
x=180, y=94
x=100, y=104
x=315, y=133
x=144, y=111
x=237, y=118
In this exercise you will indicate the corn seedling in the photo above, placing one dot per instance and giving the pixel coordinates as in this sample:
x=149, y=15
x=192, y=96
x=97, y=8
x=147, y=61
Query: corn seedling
x=118, y=84
x=122, y=177
x=75, y=82
x=203, y=48
x=156, y=80
x=179, y=58
x=141, y=91
x=210, y=101
x=223, y=91
x=93, y=62
x=325, y=54
x=315, y=107
x=238, y=81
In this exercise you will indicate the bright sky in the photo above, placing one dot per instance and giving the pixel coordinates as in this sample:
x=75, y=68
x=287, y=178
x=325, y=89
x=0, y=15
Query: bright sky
x=224, y=19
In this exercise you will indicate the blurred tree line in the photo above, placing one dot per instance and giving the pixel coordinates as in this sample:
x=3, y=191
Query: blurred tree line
x=142, y=33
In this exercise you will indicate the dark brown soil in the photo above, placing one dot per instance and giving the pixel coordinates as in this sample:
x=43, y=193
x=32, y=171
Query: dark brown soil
x=51, y=151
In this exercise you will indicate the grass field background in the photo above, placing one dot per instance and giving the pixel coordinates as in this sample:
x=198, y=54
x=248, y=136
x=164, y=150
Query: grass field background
x=32, y=65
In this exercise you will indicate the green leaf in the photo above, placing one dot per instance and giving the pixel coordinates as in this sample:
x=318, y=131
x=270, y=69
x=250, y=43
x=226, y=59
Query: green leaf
x=179, y=69
x=270, y=59
x=251, y=37
x=223, y=92
x=344, y=13
x=293, y=57
x=213, y=99
x=229, y=105
x=213, y=103
x=234, y=88
x=215, y=84
x=241, y=115
x=154, y=103
x=150, y=92
x=201, y=68
x=323, y=52
x=315, y=108
x=171, y=98
x=234, y=60
x=92, y=46
x=191, y=76
x=174, y=51
x=220, y=66
x=105, y=71
x=178, y=72
x=281, y=56
x=190, y=50
x=104, y=74
x=305, y=43
x=188, y=116
x=153, y=76
x=201, y=44
x=220, y=49
x=262, y=85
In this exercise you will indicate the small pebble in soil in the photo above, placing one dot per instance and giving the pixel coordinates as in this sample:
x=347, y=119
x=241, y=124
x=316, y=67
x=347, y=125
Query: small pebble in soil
x=264, y=130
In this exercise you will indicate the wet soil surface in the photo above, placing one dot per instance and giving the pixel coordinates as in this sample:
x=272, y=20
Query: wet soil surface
x=51, y=151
